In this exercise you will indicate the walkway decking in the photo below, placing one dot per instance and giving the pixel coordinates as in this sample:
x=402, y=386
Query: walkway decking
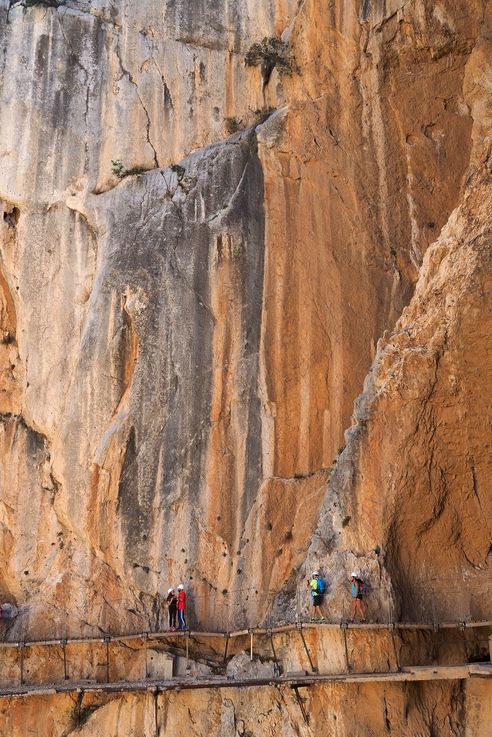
x=433, y=627
x=181, y=641
x=423, y=673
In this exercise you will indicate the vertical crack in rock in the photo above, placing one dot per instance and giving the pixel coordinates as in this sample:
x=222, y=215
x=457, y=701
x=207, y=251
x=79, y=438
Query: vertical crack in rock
x=128, y=74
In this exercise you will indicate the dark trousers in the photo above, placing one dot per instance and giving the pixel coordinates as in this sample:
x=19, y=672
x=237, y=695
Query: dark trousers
x=172, y=616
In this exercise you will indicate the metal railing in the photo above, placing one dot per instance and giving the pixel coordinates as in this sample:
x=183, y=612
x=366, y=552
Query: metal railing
x=244, y=608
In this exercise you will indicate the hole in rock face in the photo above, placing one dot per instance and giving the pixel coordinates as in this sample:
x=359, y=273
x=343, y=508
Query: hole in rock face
x=12, y=217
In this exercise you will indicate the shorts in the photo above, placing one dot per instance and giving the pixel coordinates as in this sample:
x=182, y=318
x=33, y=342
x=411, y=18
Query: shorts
x=318, y=599
x=359, y=596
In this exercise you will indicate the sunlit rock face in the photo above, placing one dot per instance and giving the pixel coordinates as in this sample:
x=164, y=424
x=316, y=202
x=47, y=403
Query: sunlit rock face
x=395, y=708
x=182, y=344
x=203, y=264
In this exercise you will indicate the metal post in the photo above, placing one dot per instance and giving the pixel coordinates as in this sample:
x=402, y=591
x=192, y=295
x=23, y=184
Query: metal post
x=21, y=662
x=277, y=664
x=106, y=640
x=187, y=650
x=251, y=645
x=490, y=647
x=65, y=669
x=226, y=647
x=300, y=701
x=347, y=661
x=145, y=639
x=395, y=649
x=314, y=670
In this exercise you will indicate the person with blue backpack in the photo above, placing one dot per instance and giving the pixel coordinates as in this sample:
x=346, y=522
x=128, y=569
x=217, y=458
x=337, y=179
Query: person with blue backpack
x=317, y=588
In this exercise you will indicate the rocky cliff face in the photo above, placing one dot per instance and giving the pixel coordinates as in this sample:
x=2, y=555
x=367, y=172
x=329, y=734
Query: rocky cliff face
x=198, y=259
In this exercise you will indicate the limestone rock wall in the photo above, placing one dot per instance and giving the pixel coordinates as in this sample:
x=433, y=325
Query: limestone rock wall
x=443, y=709
x=419, y=529
x=182, y=348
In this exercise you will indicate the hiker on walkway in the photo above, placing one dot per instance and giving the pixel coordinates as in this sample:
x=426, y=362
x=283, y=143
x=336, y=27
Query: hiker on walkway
x=172, y=608
x=356, y=589
x=317, y=586
x=181, y=607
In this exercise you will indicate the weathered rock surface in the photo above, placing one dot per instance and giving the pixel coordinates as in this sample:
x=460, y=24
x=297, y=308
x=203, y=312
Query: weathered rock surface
x=421, y=709
x=420, y=528
x=180, y=358
x=180, y=350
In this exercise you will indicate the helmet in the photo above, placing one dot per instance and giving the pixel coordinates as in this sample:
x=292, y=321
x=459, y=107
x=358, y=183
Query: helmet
x=180, y=587
x=315, y=573
x=354, y=574
x=169, y=591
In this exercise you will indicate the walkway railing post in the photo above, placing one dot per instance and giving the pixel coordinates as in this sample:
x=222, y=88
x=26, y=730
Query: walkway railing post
x=21, y=662
x=251, y=645
x=275, y=659
x=313, y=669
x=343, y=627
x=145, y=639
x=187, y=635
x=300, y=701
x=395, y=649
x=107, y=640
x=65, y=668
x=226, y=647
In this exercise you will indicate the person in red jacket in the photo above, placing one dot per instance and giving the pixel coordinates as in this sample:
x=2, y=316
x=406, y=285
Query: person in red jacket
x=181, y=607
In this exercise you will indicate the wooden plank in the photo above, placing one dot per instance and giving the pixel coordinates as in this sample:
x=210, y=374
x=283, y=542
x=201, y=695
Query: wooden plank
x=420, y=673
x=256, y=630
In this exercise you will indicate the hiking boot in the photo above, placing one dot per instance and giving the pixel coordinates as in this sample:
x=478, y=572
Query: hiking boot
x=322, y=619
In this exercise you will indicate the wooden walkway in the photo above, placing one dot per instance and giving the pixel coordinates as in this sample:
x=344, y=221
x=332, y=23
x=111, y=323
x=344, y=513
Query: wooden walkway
x=293, y=680
x=436, y=627
x=181, y=641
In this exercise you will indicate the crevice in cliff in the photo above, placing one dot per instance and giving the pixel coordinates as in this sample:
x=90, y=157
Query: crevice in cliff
x=298, y=476
x=232, y=200
x=127, y=73
x=176, y=268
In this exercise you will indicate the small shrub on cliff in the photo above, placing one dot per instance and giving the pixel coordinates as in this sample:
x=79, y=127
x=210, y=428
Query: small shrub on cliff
x=118, y=169
x=269, y=54
x=232, y=125
x=180, y=171
x=121, y=171
x=261, y=114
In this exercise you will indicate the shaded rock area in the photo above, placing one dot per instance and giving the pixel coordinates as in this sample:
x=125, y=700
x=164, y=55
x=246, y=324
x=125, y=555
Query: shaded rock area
x=425, y=401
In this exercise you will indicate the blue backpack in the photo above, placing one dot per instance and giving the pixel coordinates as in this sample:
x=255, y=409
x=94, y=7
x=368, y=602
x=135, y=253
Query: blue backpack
x=321, y=586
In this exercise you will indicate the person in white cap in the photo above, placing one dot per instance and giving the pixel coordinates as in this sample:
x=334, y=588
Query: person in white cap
x=181, y=607
x=172, y=608
x=355, y=586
